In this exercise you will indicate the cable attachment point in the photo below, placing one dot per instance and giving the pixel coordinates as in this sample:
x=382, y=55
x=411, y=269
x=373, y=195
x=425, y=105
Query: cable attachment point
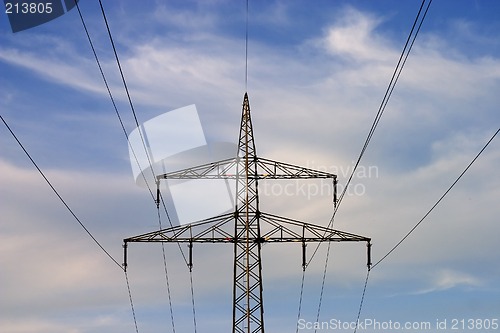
x=304, y=245
x=125, y=245
x=304, y=261
x=369, y=255
x=335, y=192
x=158, y=194
x=190, y=262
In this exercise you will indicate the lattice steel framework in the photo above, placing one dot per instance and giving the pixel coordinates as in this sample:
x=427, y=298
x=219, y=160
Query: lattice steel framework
x=247, y=227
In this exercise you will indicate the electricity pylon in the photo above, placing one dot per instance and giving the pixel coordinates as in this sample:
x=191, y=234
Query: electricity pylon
x=247, y=227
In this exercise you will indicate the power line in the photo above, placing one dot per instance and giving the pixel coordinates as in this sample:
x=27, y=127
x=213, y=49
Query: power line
x=120, y=118
x=362, y=300
x=118, y=63
x=160, y=197
x=55, y=190
x=388, y=93
x=133, y=153
x=438, y=201
x=192, y=299
x=167, y=281
x=246, y=48
x=57, y=193
x=300, y=299
x=111, y=97
x=131, y=302
x=392, y=84
x=421, y=220
x=395, y=76
x=171, y=225
x=323, y=280
x=126, y=86
x=74, y=216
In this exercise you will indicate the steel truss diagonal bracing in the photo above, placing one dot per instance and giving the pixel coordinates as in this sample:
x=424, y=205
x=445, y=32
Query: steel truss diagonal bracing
x=247, y=228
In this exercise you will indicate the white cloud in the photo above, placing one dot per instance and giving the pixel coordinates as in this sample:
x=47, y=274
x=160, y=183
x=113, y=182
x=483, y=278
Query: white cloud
x=448, y=279
x=354, y=37
x=47, y=252
x=445, y=279
x=55, y=69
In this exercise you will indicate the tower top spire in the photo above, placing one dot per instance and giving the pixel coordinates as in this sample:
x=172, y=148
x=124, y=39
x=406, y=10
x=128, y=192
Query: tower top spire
x=246, y=143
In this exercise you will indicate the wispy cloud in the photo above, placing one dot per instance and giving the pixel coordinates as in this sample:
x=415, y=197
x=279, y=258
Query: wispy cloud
x=62, y=70
x=447, y=279
x=354, y=37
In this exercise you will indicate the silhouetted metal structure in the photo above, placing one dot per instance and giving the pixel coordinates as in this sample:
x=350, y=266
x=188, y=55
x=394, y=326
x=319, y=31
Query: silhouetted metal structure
x=247, y=227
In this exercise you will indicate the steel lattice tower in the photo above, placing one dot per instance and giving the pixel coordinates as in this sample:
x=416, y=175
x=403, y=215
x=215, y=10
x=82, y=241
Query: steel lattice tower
x=247, y=227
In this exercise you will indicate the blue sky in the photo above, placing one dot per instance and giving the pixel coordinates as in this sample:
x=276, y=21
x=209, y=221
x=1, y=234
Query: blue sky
x=317, y=72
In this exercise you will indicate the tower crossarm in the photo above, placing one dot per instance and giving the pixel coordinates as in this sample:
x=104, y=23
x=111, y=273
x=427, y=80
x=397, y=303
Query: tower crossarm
x=223, y=169
x=218, y=229
x=266, y=169
x=274, y=229
x=270, y=169
x=281, y=229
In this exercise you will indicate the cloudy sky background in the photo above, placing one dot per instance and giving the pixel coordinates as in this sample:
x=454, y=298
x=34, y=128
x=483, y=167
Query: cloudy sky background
x=317, y=74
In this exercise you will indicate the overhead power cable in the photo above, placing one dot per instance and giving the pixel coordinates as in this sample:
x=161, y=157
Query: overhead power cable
x=422, y=219
x=192, y=300
x=59, y=196
x=118, y=63
x=320, y=302
x=134, y=115
x=246, y=48
x=300, y=299
x=392, y=84
x=171, y=225
x=388, y=93
x=167, y=280
x=394, y=79
x=112, y=99
x=362, y=300
x=131, y=302
x=437, y=202
x=120, y=118
x=132, y=151
x=152, y=172
x=126, y=87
